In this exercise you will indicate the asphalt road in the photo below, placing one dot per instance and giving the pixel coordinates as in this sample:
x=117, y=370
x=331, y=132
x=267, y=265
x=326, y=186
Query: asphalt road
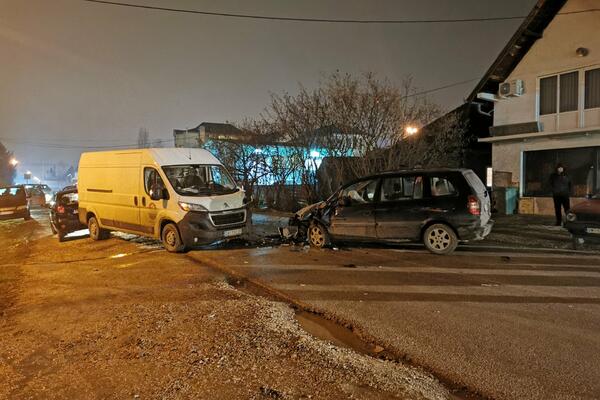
x=508, y=326
x=123, y=318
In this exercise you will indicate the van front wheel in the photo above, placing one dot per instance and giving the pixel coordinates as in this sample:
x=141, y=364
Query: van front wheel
x=96, y=233
x=171, y=239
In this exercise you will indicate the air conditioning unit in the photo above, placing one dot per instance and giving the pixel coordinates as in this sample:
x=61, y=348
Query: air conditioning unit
x=512, y=88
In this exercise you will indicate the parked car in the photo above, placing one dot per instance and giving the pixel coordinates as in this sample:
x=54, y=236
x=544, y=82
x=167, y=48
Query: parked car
x=439, y=207
x=13, y=203
x=48, y=193
x=35, y=195
x=64, y=213
x=583, y=221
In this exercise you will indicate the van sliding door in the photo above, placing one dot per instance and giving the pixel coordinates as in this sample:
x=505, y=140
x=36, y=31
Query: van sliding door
x=126, y=196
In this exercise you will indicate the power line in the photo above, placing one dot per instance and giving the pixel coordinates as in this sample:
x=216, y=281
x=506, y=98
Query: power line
x=440, y=88
x=298, y=19
x=51, y=145
x=124, y=146
x=323, y=20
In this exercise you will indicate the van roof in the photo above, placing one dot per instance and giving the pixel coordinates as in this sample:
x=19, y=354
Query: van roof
x=181, y=155
x=161, y=156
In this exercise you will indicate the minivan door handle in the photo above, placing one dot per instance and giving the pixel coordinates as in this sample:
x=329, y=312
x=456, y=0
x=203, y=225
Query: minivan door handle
x=144, y=201
x=135, y=201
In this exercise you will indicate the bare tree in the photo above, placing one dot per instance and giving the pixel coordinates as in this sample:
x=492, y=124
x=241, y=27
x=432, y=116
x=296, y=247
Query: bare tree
x=7, y=169
x=143, y=138
x=246, y=157
x=346, y=116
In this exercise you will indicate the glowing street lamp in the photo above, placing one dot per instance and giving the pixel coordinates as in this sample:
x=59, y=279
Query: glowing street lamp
x=411, y=130
x=13, y=161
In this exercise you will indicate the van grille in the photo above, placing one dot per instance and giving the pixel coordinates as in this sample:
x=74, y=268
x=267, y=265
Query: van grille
x=228, y=218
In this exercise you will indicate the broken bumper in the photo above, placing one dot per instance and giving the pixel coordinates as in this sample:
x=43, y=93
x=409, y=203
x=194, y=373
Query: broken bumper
x=475, y=232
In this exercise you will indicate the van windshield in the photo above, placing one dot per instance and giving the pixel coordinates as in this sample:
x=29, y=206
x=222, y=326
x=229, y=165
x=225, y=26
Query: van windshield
x=200, y=180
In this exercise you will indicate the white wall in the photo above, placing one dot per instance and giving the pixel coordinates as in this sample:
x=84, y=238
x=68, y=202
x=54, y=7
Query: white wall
x=555, y=53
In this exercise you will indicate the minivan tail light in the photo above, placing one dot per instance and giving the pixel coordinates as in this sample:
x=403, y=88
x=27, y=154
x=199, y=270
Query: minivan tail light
x=473, y=205
x=60, y=209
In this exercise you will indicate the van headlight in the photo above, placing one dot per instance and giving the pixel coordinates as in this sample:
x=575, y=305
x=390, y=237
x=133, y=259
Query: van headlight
x=192, y=207
x=571, y=217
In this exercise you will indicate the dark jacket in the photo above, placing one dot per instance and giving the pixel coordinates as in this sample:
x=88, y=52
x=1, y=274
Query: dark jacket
x=560, y=184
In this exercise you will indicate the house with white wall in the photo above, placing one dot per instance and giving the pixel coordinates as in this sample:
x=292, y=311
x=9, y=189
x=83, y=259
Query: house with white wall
x=545, y=91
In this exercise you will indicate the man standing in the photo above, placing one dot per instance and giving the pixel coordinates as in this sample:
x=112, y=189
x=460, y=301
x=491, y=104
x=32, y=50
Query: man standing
x=561, y=190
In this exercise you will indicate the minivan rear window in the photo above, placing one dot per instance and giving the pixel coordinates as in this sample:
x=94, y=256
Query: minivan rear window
x=474, y=182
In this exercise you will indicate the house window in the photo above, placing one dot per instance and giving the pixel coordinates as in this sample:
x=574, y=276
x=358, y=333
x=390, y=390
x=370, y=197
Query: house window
x=564, y=88
x=548, y=92
x=592, y=88
x=569, y=85
x=581, y=165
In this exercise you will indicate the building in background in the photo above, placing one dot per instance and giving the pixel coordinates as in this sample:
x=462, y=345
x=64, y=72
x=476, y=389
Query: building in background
x=200, y=135
x=545, y=91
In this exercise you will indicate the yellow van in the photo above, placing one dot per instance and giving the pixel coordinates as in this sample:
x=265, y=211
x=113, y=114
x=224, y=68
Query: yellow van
x=184, y=197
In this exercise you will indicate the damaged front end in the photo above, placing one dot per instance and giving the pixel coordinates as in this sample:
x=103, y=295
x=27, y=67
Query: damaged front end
x=298, y=224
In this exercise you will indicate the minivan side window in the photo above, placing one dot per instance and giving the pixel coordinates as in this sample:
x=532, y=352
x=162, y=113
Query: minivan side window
x=441, y=187
x=400, y=188
x=362, y=192
x=152, y=181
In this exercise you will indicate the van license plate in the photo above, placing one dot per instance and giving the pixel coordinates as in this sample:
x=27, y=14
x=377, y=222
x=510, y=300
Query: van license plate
x=593, y=230
x=233, y=232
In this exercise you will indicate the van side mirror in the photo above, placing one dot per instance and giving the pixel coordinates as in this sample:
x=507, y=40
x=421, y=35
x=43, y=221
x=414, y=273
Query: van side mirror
x=156, y=193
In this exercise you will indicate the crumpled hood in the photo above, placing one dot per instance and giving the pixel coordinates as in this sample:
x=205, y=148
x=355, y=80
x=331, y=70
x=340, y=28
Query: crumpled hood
x=303, y=212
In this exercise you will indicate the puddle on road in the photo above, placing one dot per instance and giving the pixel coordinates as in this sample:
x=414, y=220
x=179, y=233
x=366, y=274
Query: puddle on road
x=338, y=335
x=334, y=333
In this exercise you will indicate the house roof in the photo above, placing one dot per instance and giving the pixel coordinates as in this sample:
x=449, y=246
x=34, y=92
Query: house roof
x=526, y=35
x=213, y=127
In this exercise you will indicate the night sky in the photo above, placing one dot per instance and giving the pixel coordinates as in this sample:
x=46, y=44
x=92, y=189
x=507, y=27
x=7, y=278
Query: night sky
x=80, y=74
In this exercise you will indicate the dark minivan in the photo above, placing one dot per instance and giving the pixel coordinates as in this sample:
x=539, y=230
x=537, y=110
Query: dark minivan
x=439, y=207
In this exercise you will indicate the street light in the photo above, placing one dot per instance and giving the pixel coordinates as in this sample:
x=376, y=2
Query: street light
x=411, y=130
x=13, y=161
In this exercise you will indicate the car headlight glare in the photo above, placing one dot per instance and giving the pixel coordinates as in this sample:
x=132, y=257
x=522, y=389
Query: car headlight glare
x=192, y=207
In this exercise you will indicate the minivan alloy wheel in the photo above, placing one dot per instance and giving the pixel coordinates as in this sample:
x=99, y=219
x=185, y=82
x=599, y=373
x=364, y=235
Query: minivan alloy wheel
x=440, y=239
x=318, y=236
